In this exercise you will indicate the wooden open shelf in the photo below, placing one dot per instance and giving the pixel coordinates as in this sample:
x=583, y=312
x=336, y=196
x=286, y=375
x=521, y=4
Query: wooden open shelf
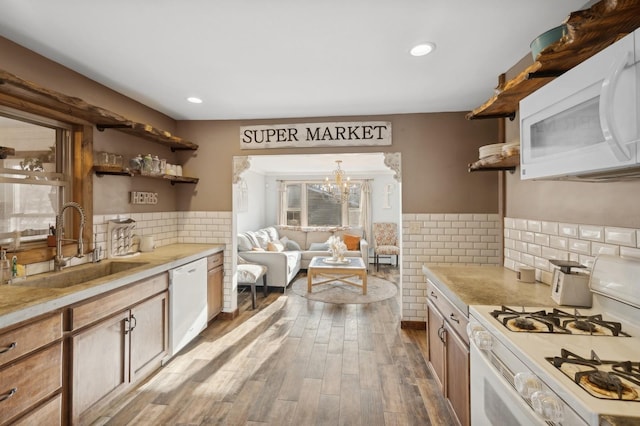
x=17, y=92
x=588, y=32
x=496, y=163
x=110, y=171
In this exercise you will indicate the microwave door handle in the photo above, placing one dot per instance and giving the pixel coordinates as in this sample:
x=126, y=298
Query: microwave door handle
x=607, y=123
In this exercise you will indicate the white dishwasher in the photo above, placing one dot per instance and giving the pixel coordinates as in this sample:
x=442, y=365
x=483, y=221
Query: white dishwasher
x=187, y=303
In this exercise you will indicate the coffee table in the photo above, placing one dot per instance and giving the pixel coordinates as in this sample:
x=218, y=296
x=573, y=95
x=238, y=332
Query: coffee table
x=321, y=266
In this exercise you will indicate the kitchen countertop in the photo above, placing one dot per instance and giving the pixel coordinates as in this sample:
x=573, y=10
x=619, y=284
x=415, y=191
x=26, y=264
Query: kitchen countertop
x=19, y=303
x=486, y=285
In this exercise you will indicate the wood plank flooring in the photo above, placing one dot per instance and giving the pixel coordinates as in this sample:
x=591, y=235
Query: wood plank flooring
x=293, y=361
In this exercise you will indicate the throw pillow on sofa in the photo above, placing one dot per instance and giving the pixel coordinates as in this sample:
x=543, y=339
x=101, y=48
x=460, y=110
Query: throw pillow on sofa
x=352, y=241
x=290, y=244
x=275, y=246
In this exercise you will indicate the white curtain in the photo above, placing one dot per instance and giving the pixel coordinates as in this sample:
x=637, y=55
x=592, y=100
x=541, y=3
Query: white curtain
x=282, y=203
x=365, y=209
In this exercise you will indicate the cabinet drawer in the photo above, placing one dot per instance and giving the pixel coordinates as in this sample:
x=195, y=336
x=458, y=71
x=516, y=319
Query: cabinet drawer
x=20, y=341
x=32, y=379
x=456, y=319
x=104, y=306
x=49, y=413
x=214, y=260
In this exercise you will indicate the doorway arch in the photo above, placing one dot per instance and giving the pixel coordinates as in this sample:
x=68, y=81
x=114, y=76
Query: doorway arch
x=246, y=191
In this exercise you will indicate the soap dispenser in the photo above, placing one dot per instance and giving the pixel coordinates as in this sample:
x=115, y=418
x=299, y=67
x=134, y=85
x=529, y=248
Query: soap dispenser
x=5, y=268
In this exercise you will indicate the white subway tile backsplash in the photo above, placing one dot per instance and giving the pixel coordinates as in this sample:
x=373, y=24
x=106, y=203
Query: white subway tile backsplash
x=579, y=246
x=534, y=226
x=599, y=248
x=550, y=228
x=592, y=233
x=558, y=242
x=534, y=249
x=528, y=236
x=563, y=241
x=629, y=252
x=620, y=236
x=521, y=224
x=568, y=230
x=541, y=239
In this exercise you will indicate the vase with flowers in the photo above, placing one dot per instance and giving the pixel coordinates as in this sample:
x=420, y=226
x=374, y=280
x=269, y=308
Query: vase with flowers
x=338, y=248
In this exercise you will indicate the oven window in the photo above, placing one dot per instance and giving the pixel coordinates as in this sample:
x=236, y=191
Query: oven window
x=495, y=409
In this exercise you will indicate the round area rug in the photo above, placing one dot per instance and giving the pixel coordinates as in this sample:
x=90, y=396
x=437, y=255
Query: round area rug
x=336, y=292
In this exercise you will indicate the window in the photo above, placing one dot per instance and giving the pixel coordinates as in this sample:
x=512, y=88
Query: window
x=33, y=182
x=309, y=205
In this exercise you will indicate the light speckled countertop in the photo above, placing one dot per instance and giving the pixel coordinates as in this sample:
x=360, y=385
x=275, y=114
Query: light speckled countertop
x=18, y=303
x=486, y=285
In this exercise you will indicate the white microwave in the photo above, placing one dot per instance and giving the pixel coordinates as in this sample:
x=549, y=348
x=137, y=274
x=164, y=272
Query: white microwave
x=584, y=124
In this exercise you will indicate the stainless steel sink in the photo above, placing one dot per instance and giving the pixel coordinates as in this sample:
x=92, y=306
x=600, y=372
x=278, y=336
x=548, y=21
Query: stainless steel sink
x=78, y=274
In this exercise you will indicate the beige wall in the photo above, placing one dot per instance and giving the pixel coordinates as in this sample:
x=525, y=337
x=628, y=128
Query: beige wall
x=111, y=193
x=435, y=150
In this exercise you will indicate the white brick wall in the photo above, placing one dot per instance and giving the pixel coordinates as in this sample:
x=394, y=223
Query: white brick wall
x=181, y=227
x=534, y=243
x=443, y=239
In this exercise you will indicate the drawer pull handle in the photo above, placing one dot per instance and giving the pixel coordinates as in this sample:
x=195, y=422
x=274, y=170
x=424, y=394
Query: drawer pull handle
x=9, y=394
x=8, y=348
x=134, y=323
x=453, y=318
x=435, y=296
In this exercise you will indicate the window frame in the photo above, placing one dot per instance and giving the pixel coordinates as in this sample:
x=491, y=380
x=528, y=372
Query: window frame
x=78, y=161
x=304, y=207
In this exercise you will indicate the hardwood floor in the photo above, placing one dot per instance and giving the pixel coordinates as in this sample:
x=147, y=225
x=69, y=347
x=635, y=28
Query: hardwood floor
x=293, y=362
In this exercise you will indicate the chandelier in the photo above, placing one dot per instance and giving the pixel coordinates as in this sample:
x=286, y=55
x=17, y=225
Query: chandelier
x=340, y=189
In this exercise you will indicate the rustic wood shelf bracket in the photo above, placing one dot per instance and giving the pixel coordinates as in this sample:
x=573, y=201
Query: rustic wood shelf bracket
x=102, y=127
x=5, y=150
x=545, y=74
x=511, y=170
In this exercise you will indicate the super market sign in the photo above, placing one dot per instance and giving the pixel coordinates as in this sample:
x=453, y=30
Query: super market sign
x=369, y=133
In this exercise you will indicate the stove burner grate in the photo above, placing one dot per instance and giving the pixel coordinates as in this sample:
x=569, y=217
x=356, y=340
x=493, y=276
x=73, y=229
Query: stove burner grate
x=602, y=379
x=556, y=321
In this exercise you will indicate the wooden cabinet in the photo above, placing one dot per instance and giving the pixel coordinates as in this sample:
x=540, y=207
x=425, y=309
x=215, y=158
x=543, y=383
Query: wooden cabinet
x=117, y=340
x=100, y=363
x=435, y=328
x=449, y=351
x=215, y=277
x=31, y=370
x=457, y=384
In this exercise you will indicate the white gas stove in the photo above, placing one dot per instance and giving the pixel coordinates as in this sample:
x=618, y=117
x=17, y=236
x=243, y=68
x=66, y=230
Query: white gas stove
x=540, y=365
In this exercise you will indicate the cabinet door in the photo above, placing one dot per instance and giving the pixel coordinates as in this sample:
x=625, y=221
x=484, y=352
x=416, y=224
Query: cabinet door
x=100, y=362
x=457, y=378
x=214, y=292
x=435, y=331
x=149, y=329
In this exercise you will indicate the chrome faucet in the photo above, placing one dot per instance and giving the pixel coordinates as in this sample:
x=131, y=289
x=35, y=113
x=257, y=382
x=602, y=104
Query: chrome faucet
x=59, y=261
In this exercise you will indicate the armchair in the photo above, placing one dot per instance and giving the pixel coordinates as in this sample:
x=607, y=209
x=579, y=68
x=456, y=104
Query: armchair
x=385, y=242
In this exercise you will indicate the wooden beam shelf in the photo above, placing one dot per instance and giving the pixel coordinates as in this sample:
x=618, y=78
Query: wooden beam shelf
x=588, y=32
x=496, y=163
x=22, y=91
x=112, y=171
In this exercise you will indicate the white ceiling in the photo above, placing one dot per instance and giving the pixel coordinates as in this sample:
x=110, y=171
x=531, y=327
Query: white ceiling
x=286, y=58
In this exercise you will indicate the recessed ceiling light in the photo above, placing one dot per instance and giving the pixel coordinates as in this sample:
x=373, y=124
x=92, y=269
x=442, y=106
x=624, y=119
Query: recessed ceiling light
x=422, y=49
x=194, y=100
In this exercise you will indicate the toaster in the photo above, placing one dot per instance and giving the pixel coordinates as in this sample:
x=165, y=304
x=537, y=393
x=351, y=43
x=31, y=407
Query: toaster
x=570, y=288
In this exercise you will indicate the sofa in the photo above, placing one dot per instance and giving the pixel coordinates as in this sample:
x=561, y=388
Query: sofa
x=284, y=250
